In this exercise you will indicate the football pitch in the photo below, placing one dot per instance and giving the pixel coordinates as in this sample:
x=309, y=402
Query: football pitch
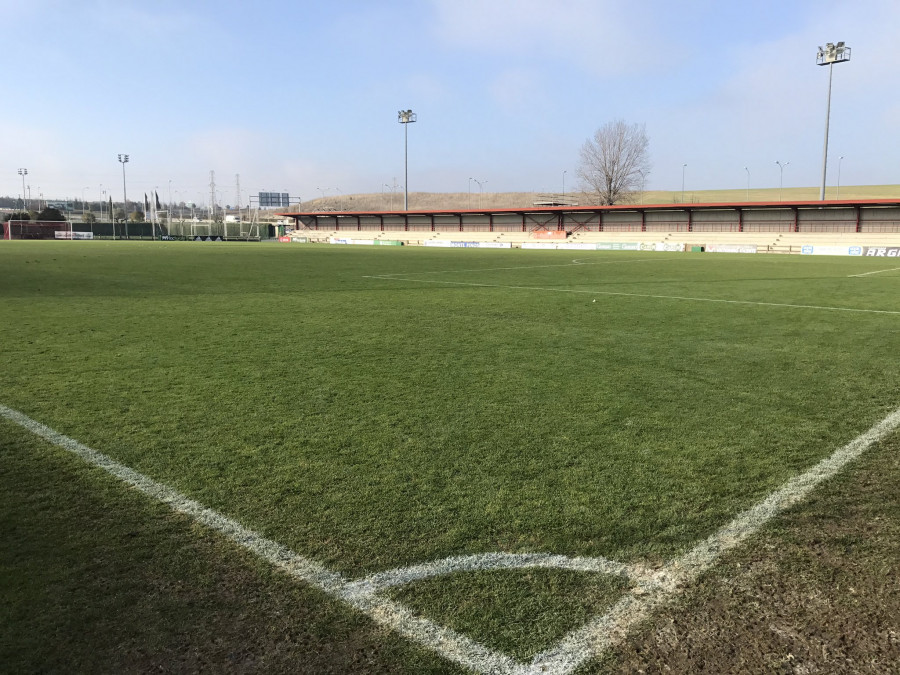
x=506, y=460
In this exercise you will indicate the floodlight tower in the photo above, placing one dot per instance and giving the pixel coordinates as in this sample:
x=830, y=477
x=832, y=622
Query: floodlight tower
x=123, y=160
x=23, y=173
x=781, y=179
x=828, y=56
x=212, y=198
x=404, y=117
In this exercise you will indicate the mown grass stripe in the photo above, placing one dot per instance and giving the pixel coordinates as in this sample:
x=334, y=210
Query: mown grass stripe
x=639, y=295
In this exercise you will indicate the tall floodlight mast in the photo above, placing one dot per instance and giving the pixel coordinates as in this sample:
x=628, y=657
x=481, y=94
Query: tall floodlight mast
x=828, y=56
x=404, y=117
x=23, y=173
x=123, y=160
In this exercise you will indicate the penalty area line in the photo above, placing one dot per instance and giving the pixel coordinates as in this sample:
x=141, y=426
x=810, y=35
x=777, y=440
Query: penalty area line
x=638, y=295
x=521, y=267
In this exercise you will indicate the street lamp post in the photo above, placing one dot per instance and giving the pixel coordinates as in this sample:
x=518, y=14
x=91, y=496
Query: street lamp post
x=23, y=173
x=683, y=167
x=841, y=159
x=123, y=160
x=748, y=182
x=564, y=184
x=828, y=56
x=781, y=179
x=405, y=117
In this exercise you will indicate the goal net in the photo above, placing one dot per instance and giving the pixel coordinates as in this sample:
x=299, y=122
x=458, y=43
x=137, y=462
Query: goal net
x=30, y=229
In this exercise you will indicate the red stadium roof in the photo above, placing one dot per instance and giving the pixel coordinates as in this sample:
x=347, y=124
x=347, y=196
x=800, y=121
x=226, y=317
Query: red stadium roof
x=810, y=204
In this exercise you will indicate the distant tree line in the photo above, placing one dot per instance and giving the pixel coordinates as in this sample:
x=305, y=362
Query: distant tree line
x=46, y=214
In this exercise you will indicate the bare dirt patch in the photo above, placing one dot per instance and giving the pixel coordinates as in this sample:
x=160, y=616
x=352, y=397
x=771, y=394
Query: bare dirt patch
x=817, y=592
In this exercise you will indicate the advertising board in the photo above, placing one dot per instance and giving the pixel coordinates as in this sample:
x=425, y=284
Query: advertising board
x=618, y=246
x=577, y=247
x=667, y=246
x=69, y=234
x=442, y=243
x=731, y=248
x=809, y=249
x=882, y=251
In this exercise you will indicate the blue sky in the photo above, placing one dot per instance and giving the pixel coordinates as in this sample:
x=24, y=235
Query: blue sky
x=303, y=96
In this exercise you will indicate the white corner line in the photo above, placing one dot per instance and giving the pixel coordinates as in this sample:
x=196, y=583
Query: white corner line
x=865, y=274
x=446, y=642
x=603, y=632
x=652, y=589
x=637, y=295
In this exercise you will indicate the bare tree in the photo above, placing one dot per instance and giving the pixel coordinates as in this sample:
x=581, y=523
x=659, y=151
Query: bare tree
x=615, y=162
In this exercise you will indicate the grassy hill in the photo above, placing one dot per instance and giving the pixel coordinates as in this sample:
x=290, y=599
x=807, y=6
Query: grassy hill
x=434, y=201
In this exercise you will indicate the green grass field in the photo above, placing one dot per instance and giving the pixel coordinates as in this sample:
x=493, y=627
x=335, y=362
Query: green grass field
x=378, y=408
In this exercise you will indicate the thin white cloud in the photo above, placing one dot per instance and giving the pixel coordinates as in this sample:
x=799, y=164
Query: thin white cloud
x=597, y=36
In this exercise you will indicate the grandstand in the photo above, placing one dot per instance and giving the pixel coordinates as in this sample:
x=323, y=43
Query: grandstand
x=776, y=227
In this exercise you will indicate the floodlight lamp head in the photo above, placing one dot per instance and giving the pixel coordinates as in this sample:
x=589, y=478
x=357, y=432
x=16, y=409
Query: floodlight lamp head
x=406, y=116
x=833, y=53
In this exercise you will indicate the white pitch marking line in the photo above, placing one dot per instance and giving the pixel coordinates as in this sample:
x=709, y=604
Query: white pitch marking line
x=602, y=632
x=640, y=295
x=520, y=267
x=865, y=274
x=393, y=615
x=381, y=581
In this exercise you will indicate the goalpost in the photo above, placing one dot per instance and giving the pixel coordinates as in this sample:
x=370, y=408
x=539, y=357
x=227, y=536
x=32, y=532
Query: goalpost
x=201, y=226
x=37, y=229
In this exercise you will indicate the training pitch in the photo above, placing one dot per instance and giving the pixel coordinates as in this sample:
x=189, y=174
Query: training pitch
x=410, y=459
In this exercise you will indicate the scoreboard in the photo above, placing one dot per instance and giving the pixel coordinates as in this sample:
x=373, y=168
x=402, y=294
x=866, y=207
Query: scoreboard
x=274, y=200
